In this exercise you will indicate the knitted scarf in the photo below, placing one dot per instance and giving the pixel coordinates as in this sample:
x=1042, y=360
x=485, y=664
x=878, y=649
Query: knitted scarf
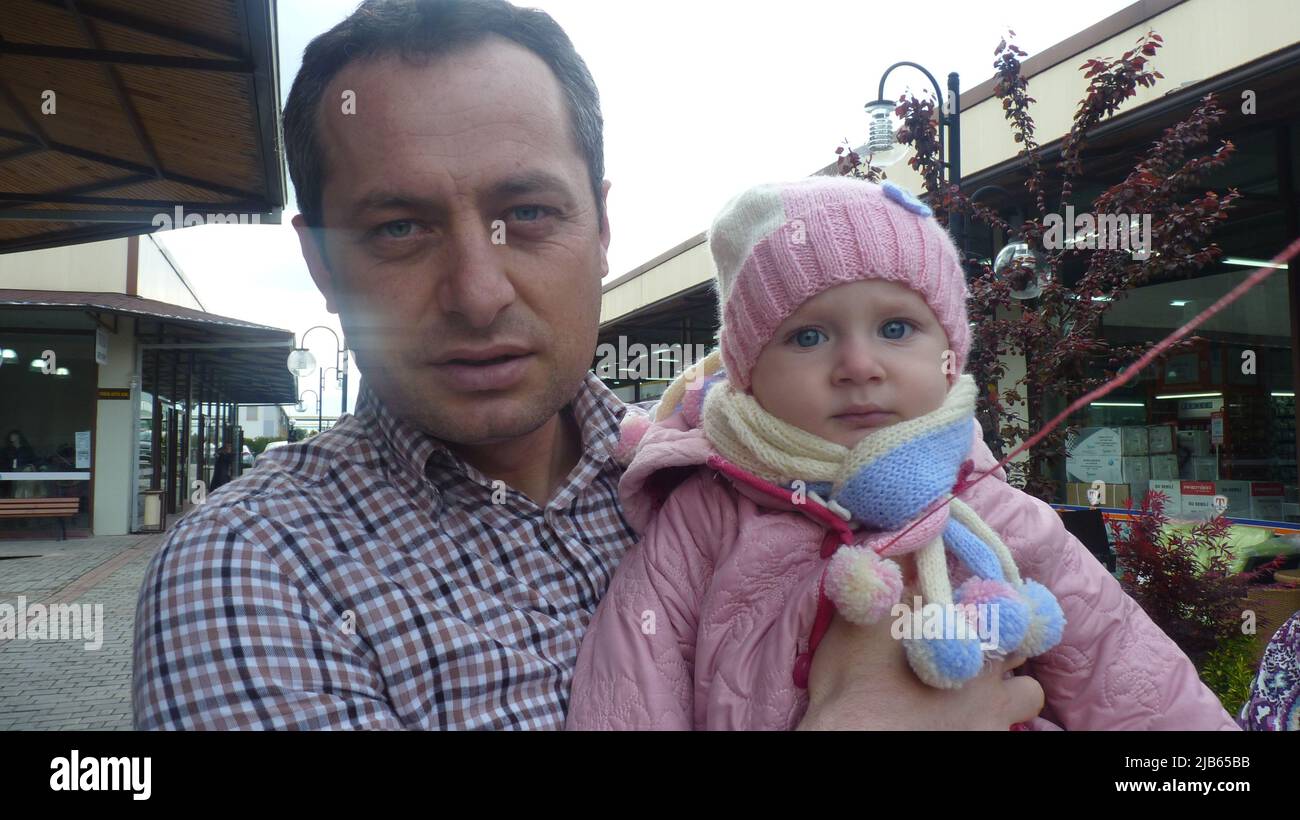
x=889, y=480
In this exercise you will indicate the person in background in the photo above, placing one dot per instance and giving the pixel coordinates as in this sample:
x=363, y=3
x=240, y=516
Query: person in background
x=17, y=453
x=225, y=463
x=1274, y=702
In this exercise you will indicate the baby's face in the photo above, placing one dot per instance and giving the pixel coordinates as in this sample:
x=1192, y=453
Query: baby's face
x=852, y=359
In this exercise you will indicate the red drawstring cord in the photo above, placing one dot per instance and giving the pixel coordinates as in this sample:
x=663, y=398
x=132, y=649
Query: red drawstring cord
x=963, y=472
x=825, y=612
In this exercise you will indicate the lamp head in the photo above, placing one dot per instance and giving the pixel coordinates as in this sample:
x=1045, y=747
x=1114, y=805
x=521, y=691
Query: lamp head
x=883, y=147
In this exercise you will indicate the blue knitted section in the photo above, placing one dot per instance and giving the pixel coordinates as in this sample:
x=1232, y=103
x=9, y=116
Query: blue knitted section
x=974, y=553
x=1012, y=621
x=822, y=488
x=945, y=663
x=895, y=488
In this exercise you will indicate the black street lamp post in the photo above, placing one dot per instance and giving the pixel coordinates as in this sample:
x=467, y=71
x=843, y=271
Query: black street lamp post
x=319, y=413
x=883, y=143
x=301, y=363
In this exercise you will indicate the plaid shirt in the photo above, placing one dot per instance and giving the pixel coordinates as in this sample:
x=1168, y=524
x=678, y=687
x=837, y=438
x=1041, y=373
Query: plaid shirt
x=366, y=579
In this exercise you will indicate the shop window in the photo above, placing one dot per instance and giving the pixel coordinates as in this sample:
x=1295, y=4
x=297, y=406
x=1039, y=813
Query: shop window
x=47, y=407
x=1220, y=411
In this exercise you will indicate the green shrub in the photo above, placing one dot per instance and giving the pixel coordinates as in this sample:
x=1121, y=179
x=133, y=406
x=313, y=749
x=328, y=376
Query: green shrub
x=1229, y=670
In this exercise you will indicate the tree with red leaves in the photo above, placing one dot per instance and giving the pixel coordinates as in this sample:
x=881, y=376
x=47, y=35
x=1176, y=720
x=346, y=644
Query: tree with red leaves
x=1058, y=331
x=1195, y=604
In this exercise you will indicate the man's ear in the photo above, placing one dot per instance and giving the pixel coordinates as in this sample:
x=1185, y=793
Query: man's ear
x=604, y=226
x=310, y=241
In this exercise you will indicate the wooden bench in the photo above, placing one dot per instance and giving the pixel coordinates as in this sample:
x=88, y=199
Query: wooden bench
x=59, y=508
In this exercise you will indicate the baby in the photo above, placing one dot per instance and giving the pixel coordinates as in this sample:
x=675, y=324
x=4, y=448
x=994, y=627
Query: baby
x=821, y=462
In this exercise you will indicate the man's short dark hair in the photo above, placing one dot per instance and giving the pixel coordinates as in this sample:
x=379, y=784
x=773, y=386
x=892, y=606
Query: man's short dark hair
x=420, y=29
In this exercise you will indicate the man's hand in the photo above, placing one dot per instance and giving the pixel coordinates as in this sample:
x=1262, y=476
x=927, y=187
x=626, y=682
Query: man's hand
x=860, y=679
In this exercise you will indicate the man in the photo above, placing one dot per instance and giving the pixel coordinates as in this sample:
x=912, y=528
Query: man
x=433, y=560
x=225, y=463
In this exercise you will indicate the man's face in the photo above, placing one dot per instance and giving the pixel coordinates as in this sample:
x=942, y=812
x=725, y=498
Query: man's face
x=463, y=249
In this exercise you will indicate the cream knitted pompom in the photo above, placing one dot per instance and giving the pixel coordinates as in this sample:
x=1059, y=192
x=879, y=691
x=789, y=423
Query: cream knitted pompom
x=862, y=585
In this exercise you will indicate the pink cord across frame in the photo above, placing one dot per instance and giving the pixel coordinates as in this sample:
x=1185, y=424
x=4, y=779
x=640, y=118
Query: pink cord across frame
x=1228, y=298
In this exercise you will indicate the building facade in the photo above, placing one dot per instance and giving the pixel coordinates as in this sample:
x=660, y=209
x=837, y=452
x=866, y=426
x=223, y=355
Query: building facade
x=1202, y=416
x=269, y=421
x=115, y=383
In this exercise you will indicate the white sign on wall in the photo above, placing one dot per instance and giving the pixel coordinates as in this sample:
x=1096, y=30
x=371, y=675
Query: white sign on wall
x=101, y=346
x=83, y=449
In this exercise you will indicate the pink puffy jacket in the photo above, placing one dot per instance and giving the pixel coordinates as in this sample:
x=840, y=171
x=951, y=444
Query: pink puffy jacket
x=703, y=621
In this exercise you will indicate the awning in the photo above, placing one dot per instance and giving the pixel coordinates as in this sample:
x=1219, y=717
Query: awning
x=114, y=112
x=229, y=359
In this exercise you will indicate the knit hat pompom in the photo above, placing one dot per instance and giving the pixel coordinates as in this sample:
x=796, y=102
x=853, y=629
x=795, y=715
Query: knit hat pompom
x=777, y=245
x=950, y=659
x=1003, y=609
x=863, y=586
x=1046, y=619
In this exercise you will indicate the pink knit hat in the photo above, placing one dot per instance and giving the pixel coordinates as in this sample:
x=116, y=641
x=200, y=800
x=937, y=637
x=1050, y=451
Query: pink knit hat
x=775, y=246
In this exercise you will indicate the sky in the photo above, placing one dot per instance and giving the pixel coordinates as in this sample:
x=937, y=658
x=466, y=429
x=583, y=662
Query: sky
x=701, y=99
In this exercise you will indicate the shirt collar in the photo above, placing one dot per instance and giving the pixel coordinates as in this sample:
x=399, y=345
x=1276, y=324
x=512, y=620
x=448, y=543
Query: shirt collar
x=595, y=408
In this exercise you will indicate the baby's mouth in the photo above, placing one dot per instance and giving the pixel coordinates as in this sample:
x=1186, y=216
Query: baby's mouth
x=872, y=418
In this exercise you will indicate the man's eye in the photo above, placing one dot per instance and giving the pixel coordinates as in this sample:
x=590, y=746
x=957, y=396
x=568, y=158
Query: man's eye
x=528, y=213
x=396, y=230
x=808, y=337
x=895, y=329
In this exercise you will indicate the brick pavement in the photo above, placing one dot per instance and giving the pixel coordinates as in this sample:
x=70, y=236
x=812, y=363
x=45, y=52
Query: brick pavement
x=59, y=684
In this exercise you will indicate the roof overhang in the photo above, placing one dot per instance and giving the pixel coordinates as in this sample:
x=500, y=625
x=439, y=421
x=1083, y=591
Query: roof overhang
x=234, y=360
x=113, y=113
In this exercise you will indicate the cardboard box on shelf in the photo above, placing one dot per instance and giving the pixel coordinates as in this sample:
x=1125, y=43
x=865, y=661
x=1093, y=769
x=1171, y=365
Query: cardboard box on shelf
x=1115, y=495
x=1136, y=470
x=1173, y=495
x=1201, y=469
x=1160, y=439
x=1115, y=455
x=1090, y=468
x=1267, y=500
x=1197, y=441
x=1133, y=441
x=1196, y=499
x=1097, y=441
x=1164, y=467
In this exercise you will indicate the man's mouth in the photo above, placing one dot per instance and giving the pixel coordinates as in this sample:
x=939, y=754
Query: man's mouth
x=488, y=369
x=482, y=362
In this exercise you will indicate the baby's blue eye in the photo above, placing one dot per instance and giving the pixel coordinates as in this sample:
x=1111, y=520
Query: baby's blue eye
x=808, y=337
x=895, y=329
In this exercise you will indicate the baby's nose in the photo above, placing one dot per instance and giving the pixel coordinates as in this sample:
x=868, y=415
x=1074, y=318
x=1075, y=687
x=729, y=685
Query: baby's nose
x=858, y=361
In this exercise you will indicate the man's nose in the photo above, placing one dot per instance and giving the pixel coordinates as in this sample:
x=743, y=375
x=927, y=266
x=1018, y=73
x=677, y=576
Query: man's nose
x=476, y=284
x=857, y=360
